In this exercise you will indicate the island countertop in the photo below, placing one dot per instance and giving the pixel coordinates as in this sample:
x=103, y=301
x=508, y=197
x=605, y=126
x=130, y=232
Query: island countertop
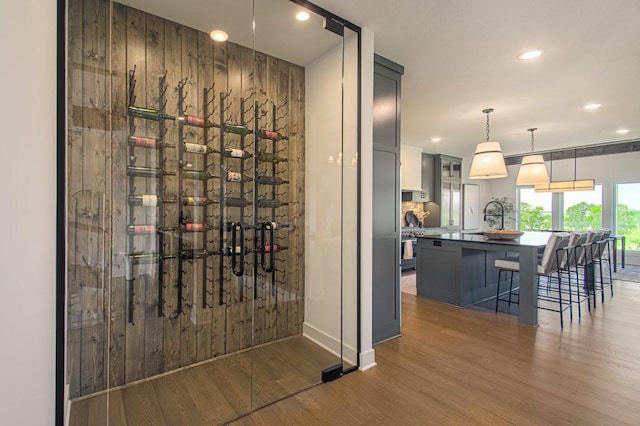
x=531, y=239
x=458, y=268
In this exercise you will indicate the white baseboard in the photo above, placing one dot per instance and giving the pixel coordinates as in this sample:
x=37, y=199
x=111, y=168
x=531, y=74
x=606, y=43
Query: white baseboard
x=329, y=343
x=368, y=359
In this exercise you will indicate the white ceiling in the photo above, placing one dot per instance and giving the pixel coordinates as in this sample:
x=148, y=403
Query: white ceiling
x=460, y=58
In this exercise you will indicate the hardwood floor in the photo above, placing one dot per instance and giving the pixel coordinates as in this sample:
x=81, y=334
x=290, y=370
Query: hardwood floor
x=210, y=393
x=466, y=366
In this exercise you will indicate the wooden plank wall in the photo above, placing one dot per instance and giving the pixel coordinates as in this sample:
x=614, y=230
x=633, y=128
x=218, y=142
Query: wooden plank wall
x=104, y=349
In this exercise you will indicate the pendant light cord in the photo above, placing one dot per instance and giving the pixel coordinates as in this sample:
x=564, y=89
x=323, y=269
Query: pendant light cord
x=487, y=111
x=487, y=126
x=533, y=129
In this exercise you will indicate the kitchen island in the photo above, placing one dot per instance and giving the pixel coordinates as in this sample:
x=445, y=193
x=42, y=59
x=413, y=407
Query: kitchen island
x=457, y=268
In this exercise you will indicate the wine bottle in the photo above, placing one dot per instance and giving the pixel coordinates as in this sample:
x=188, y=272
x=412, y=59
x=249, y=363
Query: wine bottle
x=144, y=142
x=271, y=135
x=237, y=177
x=194, y=254
x=148, y=200
x=147, y=172
x=273, y=248
x=228, y=250
x=149, y=113
x=142, y=229
x=148, y=258
x=271, y=203
x=270, y=180
x=198, y=175
x=237, y=202
x=196, y=201
x=146, y=229
x=196, y=227
x=237, y=153
x=197, y=148
x=268, y=157
x=236, y=129
x=192, y=120
x=278, y=225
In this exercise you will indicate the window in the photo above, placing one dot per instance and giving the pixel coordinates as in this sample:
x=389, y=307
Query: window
x=628, y=214
x=534, y=209
x=582, y=210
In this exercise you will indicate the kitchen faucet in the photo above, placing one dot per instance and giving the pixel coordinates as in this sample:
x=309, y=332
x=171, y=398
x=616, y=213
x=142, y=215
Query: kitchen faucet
x=501, y=215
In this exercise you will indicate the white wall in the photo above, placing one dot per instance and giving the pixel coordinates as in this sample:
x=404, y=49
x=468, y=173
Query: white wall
x=367, y=353
x=27, y=212
x=330, y=261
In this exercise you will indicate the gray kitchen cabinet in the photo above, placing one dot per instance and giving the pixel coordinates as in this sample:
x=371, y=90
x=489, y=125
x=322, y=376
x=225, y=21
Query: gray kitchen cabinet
x=386, y=202
x=448, y=190
x=438, y=270
x=446, y=272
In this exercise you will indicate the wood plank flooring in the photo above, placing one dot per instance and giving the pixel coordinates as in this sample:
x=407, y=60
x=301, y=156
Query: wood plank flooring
x=465, y=366
x=211, y=393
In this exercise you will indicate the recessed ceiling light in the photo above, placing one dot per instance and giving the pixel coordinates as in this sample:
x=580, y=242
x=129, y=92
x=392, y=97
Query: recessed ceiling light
x=435, y=139
x=622, y=131
x=532, y=54
x=218, y=35
x=302, y=15
x=592, y=106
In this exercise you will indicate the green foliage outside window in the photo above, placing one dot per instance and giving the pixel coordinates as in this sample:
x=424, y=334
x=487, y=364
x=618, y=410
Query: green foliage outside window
x=583, y=217
x=628, y=224
x=533, y=218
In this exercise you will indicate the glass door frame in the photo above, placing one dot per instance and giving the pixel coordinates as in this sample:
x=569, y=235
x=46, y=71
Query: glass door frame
x=331, y=20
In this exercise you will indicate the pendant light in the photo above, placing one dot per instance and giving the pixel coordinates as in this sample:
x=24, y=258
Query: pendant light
x=488, y=162
x=567, y=185
x=532, y=170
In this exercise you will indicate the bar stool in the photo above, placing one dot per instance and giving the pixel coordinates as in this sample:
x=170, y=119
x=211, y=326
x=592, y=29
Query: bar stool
x=574, y=251
x=601, y=257
x=552, y=257
x=585, y=260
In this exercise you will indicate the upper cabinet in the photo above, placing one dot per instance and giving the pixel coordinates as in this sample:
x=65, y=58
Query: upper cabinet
x=447, y=190
x=417, y=175
x=411, y=167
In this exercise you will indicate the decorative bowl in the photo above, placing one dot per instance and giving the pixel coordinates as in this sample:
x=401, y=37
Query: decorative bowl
x=502, y=234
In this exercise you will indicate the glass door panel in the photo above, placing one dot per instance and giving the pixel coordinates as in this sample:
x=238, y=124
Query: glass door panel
x=212, y=213
x=350, y=190
x=299, y=99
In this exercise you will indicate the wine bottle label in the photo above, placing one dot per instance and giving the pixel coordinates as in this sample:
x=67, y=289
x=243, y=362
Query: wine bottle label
x=143, y=142
x=195, y=148
x=274, y=225
x=268, y=248
x=144, y=229
x=150, y=200
x=194, y=227
x=195, y=121
x=238, y=153
x=268, y=134
x=195, y=201
x=234, y=177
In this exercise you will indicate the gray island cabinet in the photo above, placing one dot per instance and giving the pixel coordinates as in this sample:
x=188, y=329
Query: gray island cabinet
x=457, y=269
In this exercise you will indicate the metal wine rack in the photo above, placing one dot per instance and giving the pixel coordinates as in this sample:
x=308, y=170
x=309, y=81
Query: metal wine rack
x=271, y=137
x=232, y=161
x=196, y=222
x=134, y=171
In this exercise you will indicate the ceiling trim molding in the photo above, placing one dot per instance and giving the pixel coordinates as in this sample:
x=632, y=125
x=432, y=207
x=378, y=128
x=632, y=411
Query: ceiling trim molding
x=632, y=145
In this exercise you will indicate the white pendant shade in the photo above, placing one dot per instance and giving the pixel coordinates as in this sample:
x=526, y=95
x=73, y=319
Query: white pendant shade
x=488, y=162
x=532, y=171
